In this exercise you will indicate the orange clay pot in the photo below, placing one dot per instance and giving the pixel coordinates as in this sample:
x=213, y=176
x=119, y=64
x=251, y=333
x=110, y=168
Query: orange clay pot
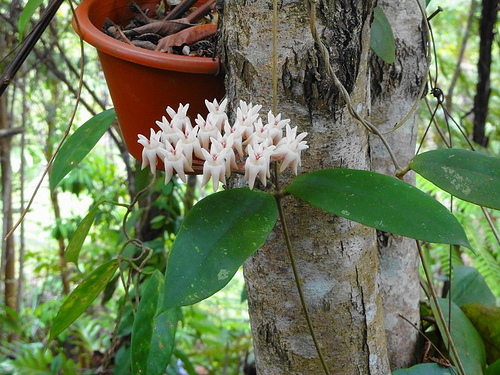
x=142, y=83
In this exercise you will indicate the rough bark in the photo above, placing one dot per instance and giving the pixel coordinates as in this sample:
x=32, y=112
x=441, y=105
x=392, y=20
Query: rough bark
x=395, y=88
x=337, y=258
x=486, y=33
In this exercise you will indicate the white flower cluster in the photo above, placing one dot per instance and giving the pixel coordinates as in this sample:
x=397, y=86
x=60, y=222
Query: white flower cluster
x=220, y=146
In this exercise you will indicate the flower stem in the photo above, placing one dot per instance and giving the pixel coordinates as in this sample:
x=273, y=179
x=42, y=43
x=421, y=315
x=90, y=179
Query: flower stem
x=298, y=284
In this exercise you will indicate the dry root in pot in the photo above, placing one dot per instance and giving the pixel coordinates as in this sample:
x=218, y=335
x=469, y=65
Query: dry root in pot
x=182, y=29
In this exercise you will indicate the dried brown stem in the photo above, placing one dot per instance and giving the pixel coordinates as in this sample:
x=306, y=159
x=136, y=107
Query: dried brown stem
x=180, y=9
x=200, y=12
x=163, y=28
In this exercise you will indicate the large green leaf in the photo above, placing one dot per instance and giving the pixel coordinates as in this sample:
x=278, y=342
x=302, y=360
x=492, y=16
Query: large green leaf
x=79, y=144
x=28, y=11
x=219, y=233
x=153, y=337
x=81, y=298
x=425, y=369
x=380, y=202
x=468, y=342
x=486, y=319
x=78, y=238
x=468, y=175
x=468, y=286
x=382, y=38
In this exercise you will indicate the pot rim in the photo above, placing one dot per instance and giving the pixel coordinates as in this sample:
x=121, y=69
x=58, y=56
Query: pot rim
x=105, y=44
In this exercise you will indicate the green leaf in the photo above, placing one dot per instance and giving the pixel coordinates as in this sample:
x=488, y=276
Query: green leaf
x=218, y=234
x=153, y=337
x=81, y=298
x=380, y=202
x=493, y=369
x=244, y=294
x=468, y=286
x=486, y=320
x=382, y=38
x=28, y=11
x=468, y=342
x=468, y=175
x=79, y=144
x=425, y=369
x=78, y=238
x=122, y=361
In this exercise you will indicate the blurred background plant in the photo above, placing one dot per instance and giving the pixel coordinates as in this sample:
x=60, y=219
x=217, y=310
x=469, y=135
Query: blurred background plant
x=214, y=335
x=449, y=119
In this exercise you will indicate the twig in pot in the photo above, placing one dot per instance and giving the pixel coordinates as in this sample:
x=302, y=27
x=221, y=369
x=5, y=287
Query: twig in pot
x=188, y=36
x=180, y=9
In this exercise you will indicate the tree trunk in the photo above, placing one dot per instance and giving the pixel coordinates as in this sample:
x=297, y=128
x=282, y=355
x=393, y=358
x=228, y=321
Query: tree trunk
x=394, y=90
x=8, y=251
x=337, y=258
x=487, y=34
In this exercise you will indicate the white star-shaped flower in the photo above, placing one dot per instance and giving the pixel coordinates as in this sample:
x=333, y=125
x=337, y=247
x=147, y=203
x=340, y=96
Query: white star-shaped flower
x=248, y=109
x=289, y=149
x=175, y=160
x=169, y=132
x=190, y=143
x=260, y=134
x=226, y=143
x=180, y=118
x=207, y=130
x=246, y=115
x=275, y=126
x=257, y=163
x=264, y=143
x=236, y=133
x=217, y=112
x=151, y=149
x=214, y=167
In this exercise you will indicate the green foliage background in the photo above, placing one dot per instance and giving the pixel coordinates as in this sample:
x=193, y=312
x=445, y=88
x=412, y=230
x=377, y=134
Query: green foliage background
x=214, y=333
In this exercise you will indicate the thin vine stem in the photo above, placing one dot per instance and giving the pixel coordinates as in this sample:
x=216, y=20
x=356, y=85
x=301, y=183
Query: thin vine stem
x=293, y=263
x=421, y=333
x=440, y=316
x=145, y=250
x=428, y=57
x=491, y=224
x=130, y=207
x=436, y=125
x=345, y=95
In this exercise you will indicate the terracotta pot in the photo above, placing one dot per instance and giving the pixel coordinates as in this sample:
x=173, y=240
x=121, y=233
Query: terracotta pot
x=142, y=83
